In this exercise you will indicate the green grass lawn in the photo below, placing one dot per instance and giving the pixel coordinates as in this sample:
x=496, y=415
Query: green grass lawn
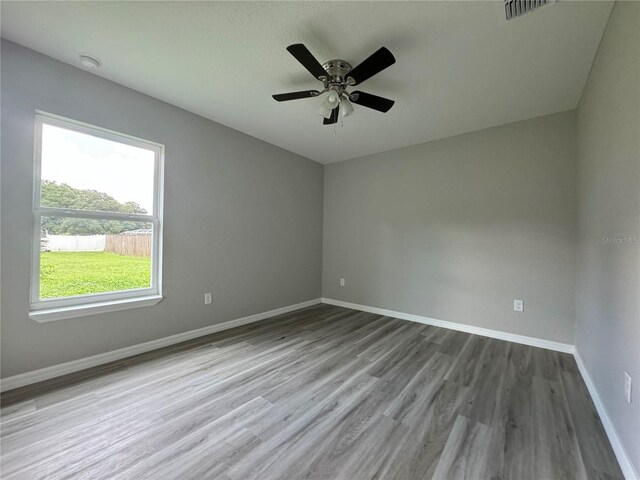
x=65, y=274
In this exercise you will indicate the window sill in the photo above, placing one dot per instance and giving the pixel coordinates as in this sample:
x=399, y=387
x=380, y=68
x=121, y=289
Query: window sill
x=52, y=314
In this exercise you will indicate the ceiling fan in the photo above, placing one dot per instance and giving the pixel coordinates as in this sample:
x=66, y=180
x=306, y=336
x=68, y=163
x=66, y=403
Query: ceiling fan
x=336, y=76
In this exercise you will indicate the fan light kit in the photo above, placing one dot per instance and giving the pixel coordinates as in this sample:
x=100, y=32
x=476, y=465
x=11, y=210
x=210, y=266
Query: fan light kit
x=336, y=76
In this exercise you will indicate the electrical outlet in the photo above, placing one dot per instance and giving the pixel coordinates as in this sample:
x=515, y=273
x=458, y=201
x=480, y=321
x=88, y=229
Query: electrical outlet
x=627, y=387
x=518, y=305
x=207, y=298
x=342, y=282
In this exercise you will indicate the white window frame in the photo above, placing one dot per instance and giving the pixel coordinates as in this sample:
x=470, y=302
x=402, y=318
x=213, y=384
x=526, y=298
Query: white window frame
x=44, y=310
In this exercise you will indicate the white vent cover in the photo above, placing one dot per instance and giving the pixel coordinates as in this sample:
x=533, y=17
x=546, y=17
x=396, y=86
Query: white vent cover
x=516, y=8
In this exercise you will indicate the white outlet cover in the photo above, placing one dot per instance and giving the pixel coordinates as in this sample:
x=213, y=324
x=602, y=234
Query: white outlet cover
x=207, y=298
x=518, y=305
x=342, y=282
x=627, y=387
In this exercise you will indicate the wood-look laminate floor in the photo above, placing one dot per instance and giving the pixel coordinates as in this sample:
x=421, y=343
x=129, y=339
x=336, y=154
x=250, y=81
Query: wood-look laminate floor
x=320, y=393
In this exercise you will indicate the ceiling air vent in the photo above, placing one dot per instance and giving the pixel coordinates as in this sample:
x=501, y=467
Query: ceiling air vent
x=516, y=8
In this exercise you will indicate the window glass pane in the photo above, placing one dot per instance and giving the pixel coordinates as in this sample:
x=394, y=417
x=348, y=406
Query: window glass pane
x=80, y=256
x=85, y=172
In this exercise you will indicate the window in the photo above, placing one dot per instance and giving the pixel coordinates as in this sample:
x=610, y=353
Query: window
x=97, y=220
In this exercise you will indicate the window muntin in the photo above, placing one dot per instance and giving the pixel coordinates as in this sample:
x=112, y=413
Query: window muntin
x=87, y=207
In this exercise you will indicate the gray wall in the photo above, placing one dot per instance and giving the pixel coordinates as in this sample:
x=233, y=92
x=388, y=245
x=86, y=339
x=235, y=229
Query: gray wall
x=456, y=229
x=243, y=219
x=608, y=286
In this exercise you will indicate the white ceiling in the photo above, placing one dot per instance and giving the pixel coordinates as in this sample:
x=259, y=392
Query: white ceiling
x=460, y=65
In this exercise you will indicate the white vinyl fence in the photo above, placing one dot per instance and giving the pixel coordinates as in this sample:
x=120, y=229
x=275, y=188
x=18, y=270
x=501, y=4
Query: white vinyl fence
x=76, y=243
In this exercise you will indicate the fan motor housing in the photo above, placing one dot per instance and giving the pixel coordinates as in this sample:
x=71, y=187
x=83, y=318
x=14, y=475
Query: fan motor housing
x=337, y=70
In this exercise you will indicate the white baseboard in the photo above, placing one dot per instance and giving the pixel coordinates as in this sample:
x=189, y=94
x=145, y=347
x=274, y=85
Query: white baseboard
x=47, y=373
x=621, y=454
x=485, y=332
